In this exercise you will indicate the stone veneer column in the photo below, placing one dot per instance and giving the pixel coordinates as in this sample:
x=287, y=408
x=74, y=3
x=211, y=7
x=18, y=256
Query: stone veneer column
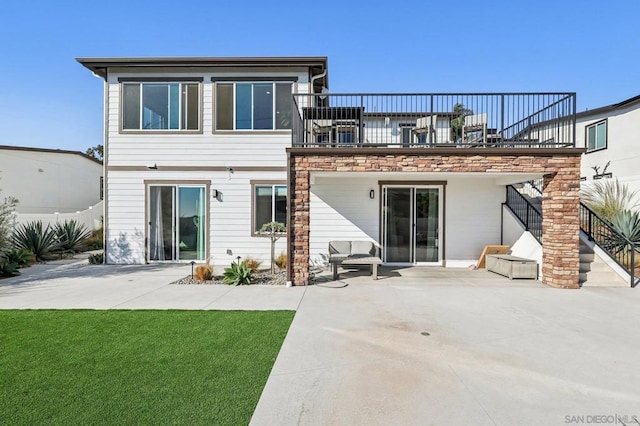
x=300, y=229
x=561, y=226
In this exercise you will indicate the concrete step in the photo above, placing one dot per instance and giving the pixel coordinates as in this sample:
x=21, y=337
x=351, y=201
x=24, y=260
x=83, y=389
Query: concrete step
x=587, y=257
x=601, y=279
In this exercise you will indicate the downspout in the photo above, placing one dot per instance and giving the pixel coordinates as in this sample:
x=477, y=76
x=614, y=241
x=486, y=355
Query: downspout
x=316, y=77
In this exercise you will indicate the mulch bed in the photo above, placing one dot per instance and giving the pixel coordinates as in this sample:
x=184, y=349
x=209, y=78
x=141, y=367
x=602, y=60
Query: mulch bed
x=259, y=278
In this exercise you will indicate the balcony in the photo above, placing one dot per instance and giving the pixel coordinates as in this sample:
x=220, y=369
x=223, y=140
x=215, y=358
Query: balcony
x=499, y=120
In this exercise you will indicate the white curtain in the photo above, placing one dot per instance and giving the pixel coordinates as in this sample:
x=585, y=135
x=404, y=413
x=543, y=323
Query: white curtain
x=156, y=240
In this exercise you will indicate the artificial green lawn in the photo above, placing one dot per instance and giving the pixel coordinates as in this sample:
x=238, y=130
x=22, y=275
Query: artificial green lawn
x=136, y=367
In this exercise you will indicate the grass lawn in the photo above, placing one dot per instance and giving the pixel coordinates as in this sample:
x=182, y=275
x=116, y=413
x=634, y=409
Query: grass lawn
x=142, y=367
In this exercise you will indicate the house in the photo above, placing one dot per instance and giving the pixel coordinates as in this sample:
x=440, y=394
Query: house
x=200, y=152
x=46, y=181
x=195, y=158
x=612, y=143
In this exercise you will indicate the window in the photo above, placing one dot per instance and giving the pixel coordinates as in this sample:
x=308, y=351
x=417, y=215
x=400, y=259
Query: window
x=160, y=106
x=253, y=106
x=596, y=135
x=269, y=204
x=177, y=222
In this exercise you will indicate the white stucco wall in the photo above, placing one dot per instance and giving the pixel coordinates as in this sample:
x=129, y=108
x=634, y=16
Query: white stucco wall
x=623, y=144
x=49, y=182
x=342, y=210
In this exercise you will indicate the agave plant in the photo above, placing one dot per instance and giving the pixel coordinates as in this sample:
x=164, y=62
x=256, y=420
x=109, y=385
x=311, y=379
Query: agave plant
x=20, y=257
x=237, y=274
x=627, y=223
x=7, y=268
x=40, y=240
x=72, y=235
x=608, y=197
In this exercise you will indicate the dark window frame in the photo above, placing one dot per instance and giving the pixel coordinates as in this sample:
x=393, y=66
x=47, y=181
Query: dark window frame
x=595, y=126
x=183, y=119
x=262, y=184
x=276, y=125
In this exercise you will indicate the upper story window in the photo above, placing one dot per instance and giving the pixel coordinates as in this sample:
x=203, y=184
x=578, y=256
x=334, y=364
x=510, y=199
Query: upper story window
x=596, y=135
x=253, y=106
x=160, y=106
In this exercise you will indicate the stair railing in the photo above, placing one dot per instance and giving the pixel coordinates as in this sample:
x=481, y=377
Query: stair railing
x=610, y=240
x=526, y=213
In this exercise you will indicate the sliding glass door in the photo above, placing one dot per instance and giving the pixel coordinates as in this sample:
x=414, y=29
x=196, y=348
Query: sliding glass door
x=411, y=225
x=177, y=219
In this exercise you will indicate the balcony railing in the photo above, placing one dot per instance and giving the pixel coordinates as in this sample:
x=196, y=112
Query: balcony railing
x=533, y=120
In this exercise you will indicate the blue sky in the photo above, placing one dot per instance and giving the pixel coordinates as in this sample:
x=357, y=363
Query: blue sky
x=48, y=100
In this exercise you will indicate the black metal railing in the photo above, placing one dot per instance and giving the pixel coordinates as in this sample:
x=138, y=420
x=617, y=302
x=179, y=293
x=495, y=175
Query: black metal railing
x=537, y=185
x=534, y=120
x=611, y=241
x=525, y=211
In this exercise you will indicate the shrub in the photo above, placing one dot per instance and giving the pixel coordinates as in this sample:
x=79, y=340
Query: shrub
x=20, y=257
x=8, y=269
x=96, y=240
x=7, y=219
x=96, y=259
x=281, y=261
x=204, y=272
x=252, y=264
x=72, y=235
x=608, y=197
x=41, y=241
x=237, y=274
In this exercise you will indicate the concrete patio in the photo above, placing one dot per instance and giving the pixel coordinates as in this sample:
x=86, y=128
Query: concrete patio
x=63, y=285
x=435, y=346
x=419, y=346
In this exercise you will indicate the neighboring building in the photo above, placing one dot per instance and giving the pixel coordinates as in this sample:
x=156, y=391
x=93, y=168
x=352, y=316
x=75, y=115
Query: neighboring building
x=200, y=152
x=610, y=136
x=46, y=181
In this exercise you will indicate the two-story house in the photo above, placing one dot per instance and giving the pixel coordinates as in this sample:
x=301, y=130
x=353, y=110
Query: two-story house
x=200, y=152
x=195, y=157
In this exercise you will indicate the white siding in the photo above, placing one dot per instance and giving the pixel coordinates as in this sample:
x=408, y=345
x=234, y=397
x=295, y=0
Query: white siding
x=211, y=148
x=229, y=219
x=341, y=209
x=49, y=182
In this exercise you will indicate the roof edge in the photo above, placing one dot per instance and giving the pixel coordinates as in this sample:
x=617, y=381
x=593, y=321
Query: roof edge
x=608, y=108
x=99, y=65
x=50, y=150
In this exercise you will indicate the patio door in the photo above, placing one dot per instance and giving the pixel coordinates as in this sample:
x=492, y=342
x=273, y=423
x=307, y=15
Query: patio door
x=176, y=222
x=411, y=225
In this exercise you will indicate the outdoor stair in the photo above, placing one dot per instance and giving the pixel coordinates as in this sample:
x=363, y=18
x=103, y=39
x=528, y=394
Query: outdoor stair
x=594, y=272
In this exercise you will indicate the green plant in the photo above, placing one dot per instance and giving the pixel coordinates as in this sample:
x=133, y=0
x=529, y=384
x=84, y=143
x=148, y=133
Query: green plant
x=274, y=231
x=457, y=123
x=72, y=235
x=281, y=261
x=237, y=274
x=96, y=259
x=8, y=268
x=40, y=240
x=608, y=197
x=20, y=257
x=204, y=272
x=7, y=209
x=252, y=264
x=96, y=240
x=626, y=223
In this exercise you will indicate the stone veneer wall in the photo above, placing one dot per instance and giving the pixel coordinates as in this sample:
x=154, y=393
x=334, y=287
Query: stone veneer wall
x=560, y=226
